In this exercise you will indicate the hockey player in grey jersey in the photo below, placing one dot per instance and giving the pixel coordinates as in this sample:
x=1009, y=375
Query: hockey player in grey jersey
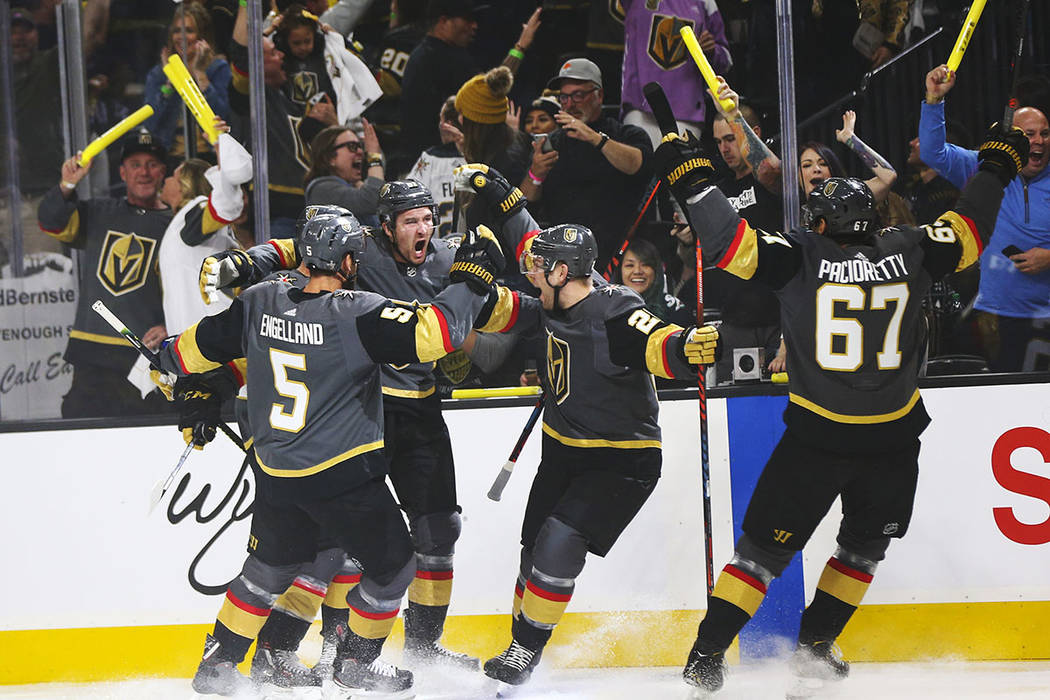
x=851, y=315
x=314, y=406
x=601, y=453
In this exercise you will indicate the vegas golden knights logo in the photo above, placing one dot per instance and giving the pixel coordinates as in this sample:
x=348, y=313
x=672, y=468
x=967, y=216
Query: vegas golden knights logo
x=558, y=367
x=829, y=189
x=125, y=261
x=782, y=536
x=666, y=47
x=304, y=86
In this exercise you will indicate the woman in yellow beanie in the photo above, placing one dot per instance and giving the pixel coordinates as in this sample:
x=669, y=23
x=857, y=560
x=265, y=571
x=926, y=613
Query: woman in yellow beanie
x=487, y=137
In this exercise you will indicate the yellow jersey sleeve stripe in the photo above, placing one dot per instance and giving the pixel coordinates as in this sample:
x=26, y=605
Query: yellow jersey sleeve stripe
x=656, y=351
x=191, y=360
x=408, y=393
x=855, y=419
x=741, y=259
x=295, y=473
x=69, y=233
x=286, y=249
x=966, y=232
x=432, y=336
x=505, y=313
x=99, y=338
x=596, y=442
x=239, y=80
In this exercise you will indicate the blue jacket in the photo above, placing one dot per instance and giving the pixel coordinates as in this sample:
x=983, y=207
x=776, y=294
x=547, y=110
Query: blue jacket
x=168, y=108
x=1024, y=221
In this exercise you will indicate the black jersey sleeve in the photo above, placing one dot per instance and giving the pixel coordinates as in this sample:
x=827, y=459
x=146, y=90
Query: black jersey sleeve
x=207, y=344
x=400, y=332
x=641, y=340
x=272, y=256
x=731, y=244
x=956, y=239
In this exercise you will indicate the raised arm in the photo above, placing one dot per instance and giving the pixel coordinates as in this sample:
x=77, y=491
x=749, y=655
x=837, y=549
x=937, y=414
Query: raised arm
x=954, y=163
x=885, y=175
x=764, y=163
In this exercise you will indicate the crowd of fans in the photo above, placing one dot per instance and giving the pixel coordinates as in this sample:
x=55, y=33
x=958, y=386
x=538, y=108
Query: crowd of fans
x=361, y=92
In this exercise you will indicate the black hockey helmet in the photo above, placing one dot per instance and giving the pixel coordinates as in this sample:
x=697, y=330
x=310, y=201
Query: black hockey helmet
x=326, y=239
x=401, y=195
x=845, y=203
x=316, y=210
x=571, y=244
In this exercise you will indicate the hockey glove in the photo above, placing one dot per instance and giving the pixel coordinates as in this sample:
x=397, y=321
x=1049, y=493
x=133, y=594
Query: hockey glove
x=1003, y=155
x=701, y=345
x=503, y=199
x=198, y=399
x=165, y=382
x=478, y=260
x=683, y=165
x=230, y=268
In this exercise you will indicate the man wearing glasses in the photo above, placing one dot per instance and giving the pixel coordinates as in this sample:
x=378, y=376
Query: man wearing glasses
x=602, y=169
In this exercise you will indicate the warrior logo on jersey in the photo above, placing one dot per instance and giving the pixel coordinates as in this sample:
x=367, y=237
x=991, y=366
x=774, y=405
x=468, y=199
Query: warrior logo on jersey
x=666, y=47
x=125, y=261
x=558, y=367
x=304, y=86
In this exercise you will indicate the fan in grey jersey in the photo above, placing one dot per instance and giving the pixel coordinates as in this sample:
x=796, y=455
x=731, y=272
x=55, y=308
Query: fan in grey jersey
x=405, y=263
x=313, y=369
x=850, y=297
x=601, y=452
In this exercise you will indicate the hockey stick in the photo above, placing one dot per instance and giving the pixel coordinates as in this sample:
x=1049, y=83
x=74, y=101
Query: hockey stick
x=161, y=487
x=118, y=325
x=496, y=491
x=654, y=94
x=1015, y=65
x=614, y=262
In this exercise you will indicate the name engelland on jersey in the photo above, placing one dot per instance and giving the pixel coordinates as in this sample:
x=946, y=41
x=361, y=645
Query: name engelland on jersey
x=292, y=332
x=863, y=270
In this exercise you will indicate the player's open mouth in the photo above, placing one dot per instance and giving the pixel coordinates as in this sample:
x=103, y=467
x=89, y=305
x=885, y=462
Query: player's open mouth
x=420, y=245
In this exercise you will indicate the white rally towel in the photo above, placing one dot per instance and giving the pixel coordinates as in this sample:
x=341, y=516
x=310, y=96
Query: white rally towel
x=355, y=86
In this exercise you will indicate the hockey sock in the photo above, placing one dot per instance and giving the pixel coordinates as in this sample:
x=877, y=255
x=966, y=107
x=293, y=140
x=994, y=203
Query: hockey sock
x=543, y=603
x=735, y=599
x=840, y=590
x=424, y=622
x=528, y=634
x=293, y=613
x=340, y=587
x=369, y=621
x=240, y=618
x=232, y=646
x=519, y=593
x=332, y=616
x=428, y=597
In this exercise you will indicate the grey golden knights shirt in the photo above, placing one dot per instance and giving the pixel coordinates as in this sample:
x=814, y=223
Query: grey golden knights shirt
x=313, y=374
x=851, y=315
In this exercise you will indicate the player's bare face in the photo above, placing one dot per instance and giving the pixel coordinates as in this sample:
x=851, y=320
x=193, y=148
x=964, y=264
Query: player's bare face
x=725, y=139
x=301, y=42
x=1034, y=124
x=636, y=274
x=347, y=156
x=812, y=170
x=143, y=175
x=412, y=234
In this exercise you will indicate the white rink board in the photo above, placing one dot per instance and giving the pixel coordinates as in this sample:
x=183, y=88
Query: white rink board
x=90, y=550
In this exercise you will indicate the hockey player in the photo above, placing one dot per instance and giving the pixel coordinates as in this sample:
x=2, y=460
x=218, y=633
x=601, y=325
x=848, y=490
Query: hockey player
x=601, y=451
x=313, y=372
x=851, y=315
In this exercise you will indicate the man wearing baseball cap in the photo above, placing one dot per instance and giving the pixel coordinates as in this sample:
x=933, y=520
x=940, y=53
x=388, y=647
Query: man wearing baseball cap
x=119, y=239
x=602, y=169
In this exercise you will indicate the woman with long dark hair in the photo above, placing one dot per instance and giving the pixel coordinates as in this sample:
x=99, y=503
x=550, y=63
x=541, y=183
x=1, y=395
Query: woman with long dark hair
x=345, y=170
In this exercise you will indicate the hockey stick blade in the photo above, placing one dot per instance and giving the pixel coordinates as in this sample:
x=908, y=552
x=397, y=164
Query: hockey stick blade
x=654, y=95
x=496, y=490
x=162, y=486
x=118, y=325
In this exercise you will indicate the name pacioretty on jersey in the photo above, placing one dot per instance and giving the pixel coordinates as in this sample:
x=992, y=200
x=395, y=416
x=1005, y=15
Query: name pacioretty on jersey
x=862, y=270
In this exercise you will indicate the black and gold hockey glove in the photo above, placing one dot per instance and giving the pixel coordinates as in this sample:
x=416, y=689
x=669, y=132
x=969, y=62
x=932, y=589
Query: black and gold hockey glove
x=502, y=198
x=683, y=165
x=230, y=268
x=198, y=399
x=1003, y=155
x=478, y=260
x=701, y=345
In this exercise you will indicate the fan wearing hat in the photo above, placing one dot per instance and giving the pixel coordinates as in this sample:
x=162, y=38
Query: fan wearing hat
x=119, y=239
x=441, y=64
x=602, y=169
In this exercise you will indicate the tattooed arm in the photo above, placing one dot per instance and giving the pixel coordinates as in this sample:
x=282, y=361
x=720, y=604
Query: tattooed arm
x=764, y=164
x=885, y=175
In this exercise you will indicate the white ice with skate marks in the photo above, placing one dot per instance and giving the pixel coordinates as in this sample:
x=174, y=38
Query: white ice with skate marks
x=941, y=680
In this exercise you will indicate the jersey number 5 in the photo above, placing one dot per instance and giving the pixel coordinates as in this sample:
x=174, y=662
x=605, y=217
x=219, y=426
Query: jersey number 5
x=850, y=353
x=293, y=420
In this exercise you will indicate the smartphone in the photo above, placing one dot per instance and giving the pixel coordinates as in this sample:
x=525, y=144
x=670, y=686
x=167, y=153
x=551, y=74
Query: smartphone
x=1011, y=250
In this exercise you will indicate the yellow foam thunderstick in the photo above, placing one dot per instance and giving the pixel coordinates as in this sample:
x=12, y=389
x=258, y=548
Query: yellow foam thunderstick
x=494, y=392
x=187, y=88
x=955, y=58
x=115, y=132
x=704, y=65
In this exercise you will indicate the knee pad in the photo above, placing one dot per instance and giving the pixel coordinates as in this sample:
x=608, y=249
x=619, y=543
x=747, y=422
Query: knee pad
x=387, y=596
x=865, y=551
x=325, y=565
x=436, y=533
x=266, y=580
x=525, y=565
x=765, y=562
x=560, y=550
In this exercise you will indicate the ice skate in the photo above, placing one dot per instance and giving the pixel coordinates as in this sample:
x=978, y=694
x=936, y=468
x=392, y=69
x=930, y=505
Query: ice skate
x=375, y=680
x=512, y=668
x=325, y=665
x=422, y=653
x=279, y=672
x=216, y=675
x=816, y=667
x=705, y=672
